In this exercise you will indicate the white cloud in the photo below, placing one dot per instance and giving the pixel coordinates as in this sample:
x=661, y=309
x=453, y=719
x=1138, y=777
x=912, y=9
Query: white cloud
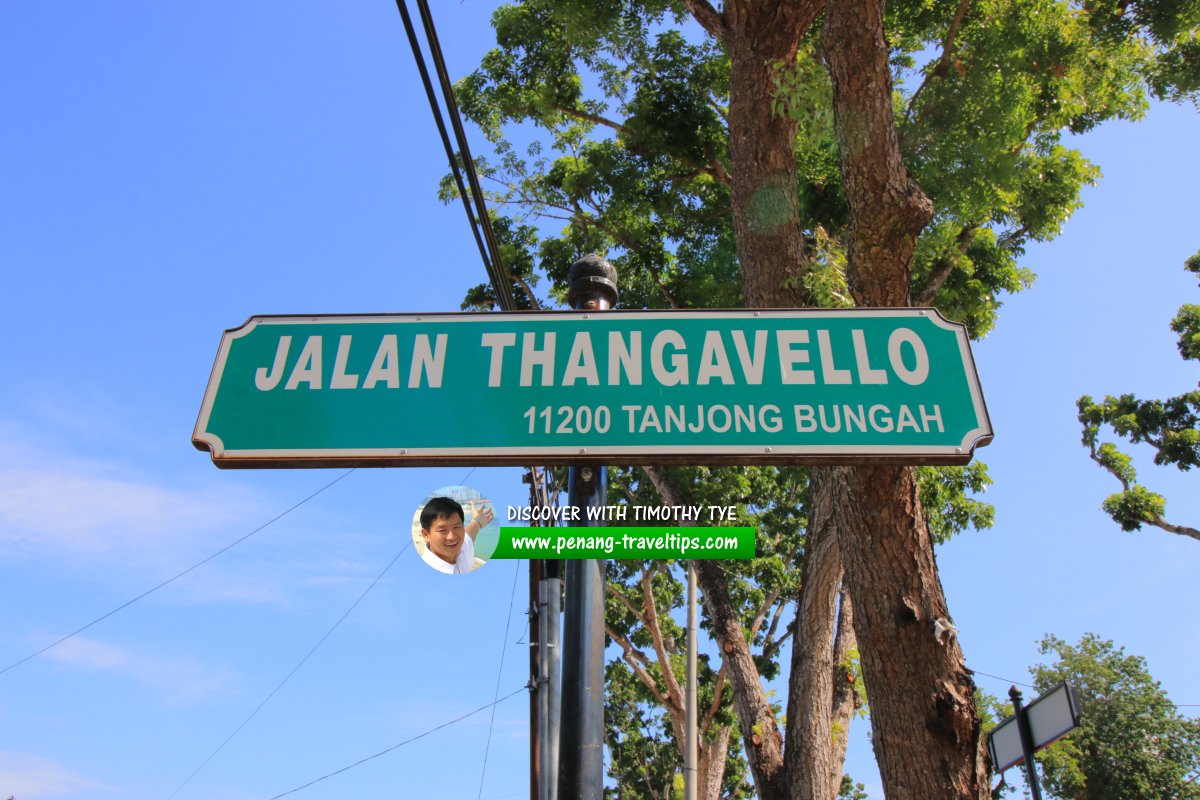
x=53, y=501
x=30, y=777
x=56, y=505
x=109, y=520
x=89, y=514
x=180, y=679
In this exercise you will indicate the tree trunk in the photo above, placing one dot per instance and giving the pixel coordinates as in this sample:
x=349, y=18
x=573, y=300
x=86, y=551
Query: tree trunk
x=927, y=734
x=711, y=765
x=766, y=218
x=887, y=208
x=845, y=697
x=819, y=710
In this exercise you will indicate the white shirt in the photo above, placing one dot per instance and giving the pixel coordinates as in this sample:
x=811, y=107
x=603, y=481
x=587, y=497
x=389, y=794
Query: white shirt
x=465, y=562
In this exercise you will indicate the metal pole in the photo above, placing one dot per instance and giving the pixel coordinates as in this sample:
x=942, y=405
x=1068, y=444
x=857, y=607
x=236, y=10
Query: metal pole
x=537, y=658
x=1031, y=777
x=537, y=727
x=691, y=741
x=552, y=666
x=545, y=588
x=592, y=286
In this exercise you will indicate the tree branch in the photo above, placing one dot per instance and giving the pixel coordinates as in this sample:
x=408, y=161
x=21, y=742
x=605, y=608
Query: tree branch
x=633, y=657
x=716, y=168
x=943, y=267
x=533, y=301
x=638, y=613
x=710, y=19
x=1182, y=530
x=594, y=118
x=632, y=246
x=773, y=646
x=1153, y=517
x=715, y=705
x=664, y=659
x=759, y=728
x=761, y=614
x=949, y=45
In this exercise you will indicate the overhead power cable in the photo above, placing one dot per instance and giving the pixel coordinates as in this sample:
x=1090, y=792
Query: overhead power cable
x=1006, y=680
x=294, y=670
x=175, y=577
x=1031, y=686
x=473, y=201
x=499, y=672
x=401, y=744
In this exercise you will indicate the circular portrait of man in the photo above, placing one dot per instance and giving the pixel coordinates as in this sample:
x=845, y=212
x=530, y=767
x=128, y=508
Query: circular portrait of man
x=451, y=531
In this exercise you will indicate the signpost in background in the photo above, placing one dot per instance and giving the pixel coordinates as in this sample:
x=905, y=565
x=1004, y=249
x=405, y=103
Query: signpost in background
x=1039, y=724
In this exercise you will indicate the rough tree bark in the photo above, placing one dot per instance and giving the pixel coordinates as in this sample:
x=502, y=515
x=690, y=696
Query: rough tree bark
x=760, y=35
x=927, y=733
x=819, y=707
x=926, y=728
x=710, y=763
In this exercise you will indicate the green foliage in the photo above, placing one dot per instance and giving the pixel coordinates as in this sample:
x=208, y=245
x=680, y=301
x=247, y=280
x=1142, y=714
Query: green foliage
x=849, y=790
x=638, y=728
x=515, y=241
x=803, y=93
x=647, y=186
x=609, y=122
x=1171, y=427
x=1187, y=321
x=851, y=667
x=946, y=495
x=1136, y=505
x=1167, y=30
x=633, y=160
x=1132, y=743
x=992, y=710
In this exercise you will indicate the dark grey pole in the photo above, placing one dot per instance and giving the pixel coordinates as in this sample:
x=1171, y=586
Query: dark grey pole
x=691, y=775
x=545, y=612
x=552, y=665
x=1031, y=777
x=592, y=286
x=537, y=728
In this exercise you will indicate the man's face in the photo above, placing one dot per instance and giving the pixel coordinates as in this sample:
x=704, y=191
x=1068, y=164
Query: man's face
x=444, y=537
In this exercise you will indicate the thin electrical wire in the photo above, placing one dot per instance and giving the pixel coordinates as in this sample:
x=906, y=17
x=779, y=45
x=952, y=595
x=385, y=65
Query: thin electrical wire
x=1031, y=686
x=419, y=56
x=174, y=578
x=500, y=280
x=360, y=762
x=294, y=670
x=1006, y=680
x=499, y=672
x=473, y=201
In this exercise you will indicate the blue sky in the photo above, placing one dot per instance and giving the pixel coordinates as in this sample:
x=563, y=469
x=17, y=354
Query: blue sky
x=169, y=170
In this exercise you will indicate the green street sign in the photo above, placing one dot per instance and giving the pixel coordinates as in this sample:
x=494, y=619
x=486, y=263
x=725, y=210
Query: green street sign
x=630, y=387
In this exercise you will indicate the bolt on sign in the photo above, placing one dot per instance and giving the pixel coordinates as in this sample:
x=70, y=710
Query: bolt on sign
x=632, y=387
